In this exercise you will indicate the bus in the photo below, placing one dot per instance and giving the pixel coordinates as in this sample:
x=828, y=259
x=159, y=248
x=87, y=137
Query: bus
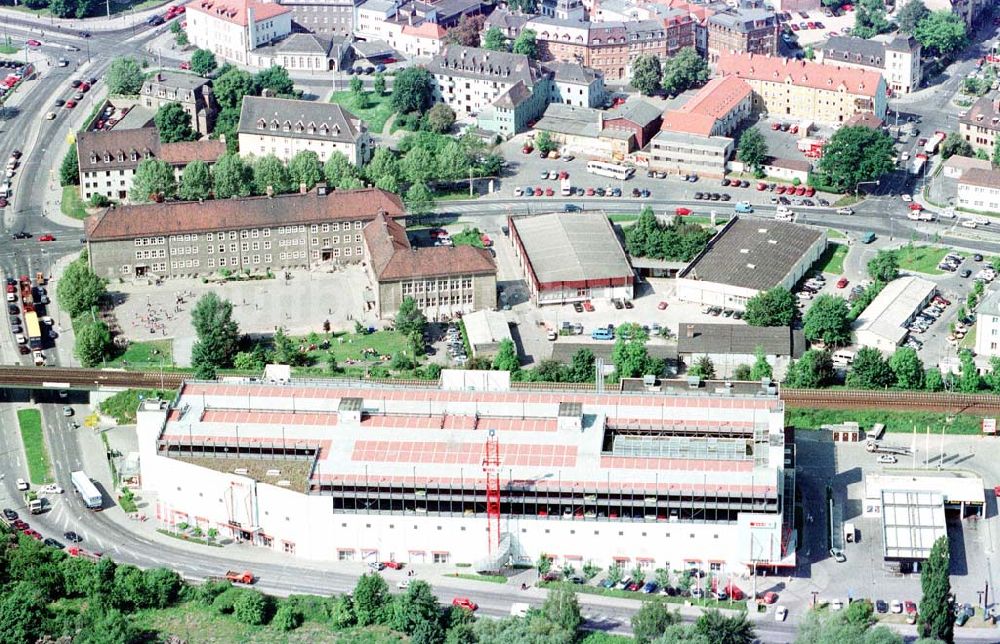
x=34, y=331
x=613, y=170
x=87, y=490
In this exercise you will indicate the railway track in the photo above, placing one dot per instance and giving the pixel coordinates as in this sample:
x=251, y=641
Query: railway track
x=890, y=400
x=73, y=378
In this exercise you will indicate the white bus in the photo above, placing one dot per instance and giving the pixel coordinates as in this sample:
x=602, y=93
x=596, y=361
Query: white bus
x=613, y=170
x=87, y=490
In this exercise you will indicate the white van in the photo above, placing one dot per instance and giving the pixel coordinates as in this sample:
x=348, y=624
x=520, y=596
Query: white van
x=783, y=214
x=842, y=357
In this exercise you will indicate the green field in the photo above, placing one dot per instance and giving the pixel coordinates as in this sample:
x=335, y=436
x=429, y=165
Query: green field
x=895, y=421
x=922, y=259
x=151, y=354
x=39, y=467
x=122, y=405
x=832, y=260
x=72, y=205
x=8, y=49
x=625, y=594
x=375, y=112
x=832, y=233
x=352, y=346
x=493, y=579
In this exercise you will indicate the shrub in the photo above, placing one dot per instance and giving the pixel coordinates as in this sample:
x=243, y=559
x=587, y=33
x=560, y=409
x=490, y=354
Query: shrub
x=225, y=602
x=252, y=607
x=208, y=591
x=288, y=617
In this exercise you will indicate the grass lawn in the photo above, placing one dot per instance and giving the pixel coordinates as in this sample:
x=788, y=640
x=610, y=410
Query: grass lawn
x=895, y=421
x=835, y=234
x=72, y=205
x=493, y=579
x=122, y=405
x=922, y=259
x=832, y=259
x=7, y=48
x=39, y=467
x=376, y=110
x=152, y=353
x=846, y=200
x=454, y=194
x=622, y=218
x=969, y=341
x=624, y=594
x=351, y=346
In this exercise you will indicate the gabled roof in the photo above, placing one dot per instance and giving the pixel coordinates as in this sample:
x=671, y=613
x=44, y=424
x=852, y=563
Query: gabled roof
x=637, y=111
x=739, y=339
x=517, y=94
x=184, y=152
x=425, y=29
x=298, y=119
x=305, y=44
x=801, y=73
x=571, y=72
x=505, y=20
x=984, y=113
x=712, y=102
x=118, y=145
x=235, y=11
x=857, y=51
x=393, y=258
x=982, y=178
x=174, y=80
x=483, y=64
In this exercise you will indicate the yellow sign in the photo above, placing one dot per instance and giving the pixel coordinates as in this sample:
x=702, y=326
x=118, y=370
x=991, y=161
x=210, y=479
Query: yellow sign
x=91, y=420
x=71, y=137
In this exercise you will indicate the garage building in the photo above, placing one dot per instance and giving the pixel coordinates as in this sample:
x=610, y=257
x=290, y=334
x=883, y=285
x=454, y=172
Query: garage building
x=883, y=323
x=486, y=330
x=571, y=257
x=747, y=257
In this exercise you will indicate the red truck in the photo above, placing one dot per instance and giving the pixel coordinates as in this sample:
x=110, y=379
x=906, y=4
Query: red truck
x=27, y=299
x=76, y=551
x=245, y=577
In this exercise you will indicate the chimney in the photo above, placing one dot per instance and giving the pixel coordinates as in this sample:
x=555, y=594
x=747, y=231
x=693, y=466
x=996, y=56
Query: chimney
x=302, y=188
x=321, y=189
x=689, y=331
x=996, y=105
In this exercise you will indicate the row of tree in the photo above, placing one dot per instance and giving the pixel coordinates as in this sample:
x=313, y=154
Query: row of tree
x=673, y=241
x=681, y=72
x=79, y=292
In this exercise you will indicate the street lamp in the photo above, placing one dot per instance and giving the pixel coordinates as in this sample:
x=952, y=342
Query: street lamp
x=864, y=183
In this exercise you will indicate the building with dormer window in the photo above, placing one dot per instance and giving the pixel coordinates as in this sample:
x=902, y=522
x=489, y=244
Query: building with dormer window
x=284, y=127
x=192, y=92
x=898, y=61
x=980, y=125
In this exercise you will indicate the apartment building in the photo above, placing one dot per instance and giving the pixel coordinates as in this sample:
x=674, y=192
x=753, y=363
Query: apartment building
x=981, y=124
x=574, y=84
x=194, y=94
x=988, y=326
x=743, y=31
x=979, y=190
x=898, y=60
x=683, y=153
x=231, y=29
x=284, y=127
x=327, y=18
x=806, y=90
x=257, y=234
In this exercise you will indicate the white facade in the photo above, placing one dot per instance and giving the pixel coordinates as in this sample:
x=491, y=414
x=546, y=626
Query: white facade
x=988, y=326
x=976, y=195
x=373, y=20
x=285, y=147
x=231, y=31
x=681, y=153
x=882, y=325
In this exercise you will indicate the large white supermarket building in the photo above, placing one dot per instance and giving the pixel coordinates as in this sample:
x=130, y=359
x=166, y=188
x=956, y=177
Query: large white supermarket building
x=654, y=476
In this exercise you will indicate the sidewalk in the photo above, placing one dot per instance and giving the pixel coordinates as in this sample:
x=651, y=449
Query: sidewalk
x=114, y=23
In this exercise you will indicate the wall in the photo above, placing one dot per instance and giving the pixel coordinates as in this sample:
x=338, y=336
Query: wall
x=988, y=335
x=978, y=198
x=286, y=147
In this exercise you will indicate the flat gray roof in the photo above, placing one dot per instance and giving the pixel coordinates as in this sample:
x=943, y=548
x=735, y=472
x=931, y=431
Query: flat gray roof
x=486, y=327
x=911, y=522
x=739, y=339
x=693, y=140
x=571, y=247
x=755, y=254
x=891, y=309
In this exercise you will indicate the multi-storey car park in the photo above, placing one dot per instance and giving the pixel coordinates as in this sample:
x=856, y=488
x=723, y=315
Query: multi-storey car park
x=477, y=469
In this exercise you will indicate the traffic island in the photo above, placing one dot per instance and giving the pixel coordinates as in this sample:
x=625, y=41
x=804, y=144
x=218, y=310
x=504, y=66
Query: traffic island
x=39, y=465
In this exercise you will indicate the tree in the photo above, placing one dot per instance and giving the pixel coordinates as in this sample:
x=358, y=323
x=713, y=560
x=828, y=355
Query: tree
x=869, y=18
x=305, y=168
x=371, y=595
x=288, y=617
x=703, y=368
x=676, y=241
x=269, y=172
x=506, y=357
x=174, y=124
x=340, y=172
x=761, y=367
x=23, y=612
x=860, y=613
x=526, y=43
x=827, y=320
x=629, y=355
x=124, y=77
x=80, y=289
x=232, y=85
x=954, y=144
x=62, y=8
x=910, y=16
x=907, y=369
x=581, y=366
x=646, y=74
x=378, y=84
x=231, y=177
x=466, y=32
x=409, y=318
x=412, y=90
x=721, y=629
x=153, y=181
x=561, y=608
x=941, y=33
x=685, y=70
x=856, y=154
x=218, y=334
x=992, y=378
x=494, y=40
x=544, y=142
x=417, y=606
x=180, y=36
x=92, y=343
x=225, y=126
x=884, y=267
x=69, y=169
x=358, y=91
x=774, y=307
x=870, y=371
x=742, y=372
x=384, y=165
x=933, y=380
x=251, y=608
x=935, y=618
x=419, y=199
x=969, y=380
x=276, y=80
x=419, y=165
x=813, y=370
x=203, y=62
x=837, y=628
x=752, y=150
x=196, y=182
x=652, y=620
x=440, y=118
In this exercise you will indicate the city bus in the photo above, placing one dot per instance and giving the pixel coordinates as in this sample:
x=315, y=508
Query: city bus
x=34, y=331
x=613, y=170
x=91, y=496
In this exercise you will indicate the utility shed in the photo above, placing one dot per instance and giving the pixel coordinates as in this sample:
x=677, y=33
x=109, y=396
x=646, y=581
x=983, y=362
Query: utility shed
x=486, y=330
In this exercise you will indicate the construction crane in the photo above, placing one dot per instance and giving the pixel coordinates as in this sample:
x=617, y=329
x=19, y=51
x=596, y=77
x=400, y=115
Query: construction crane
x=491, y=467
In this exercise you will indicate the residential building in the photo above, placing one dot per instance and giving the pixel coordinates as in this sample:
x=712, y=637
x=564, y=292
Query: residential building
x=257, y=234
x=747, y=257
x=988, y=326
x=571, y=257
x=509, y=24
x=882, y=325
x=730, y=345
x=395, y=474
x=325, y=18
x=979, y=190
x=283, y=127
x=373, y=20
x=445, y=281
x=981, y=123
x=684, y=153
x=637, y=116
x=418, y=41
x=742, y=31
x=799, y=89
x=231, y=29
x=718, y=109
x=193, y=93
x=580, y=130
x=970, y=11
x=562, y=9
x=955, y=166
x=108, y=158
x=574, y=84
x=898, y=60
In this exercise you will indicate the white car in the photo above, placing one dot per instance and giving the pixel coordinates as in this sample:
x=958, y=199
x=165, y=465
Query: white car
x=886, y=458
x=981, y=220
x=969, y=223
x=51, y=489
x=780, y=613
x=837, y=604
x=518, y=192
x=22, y=484
x=896, y=606
x=907, y=198
x=50, y=116
x=845, y=211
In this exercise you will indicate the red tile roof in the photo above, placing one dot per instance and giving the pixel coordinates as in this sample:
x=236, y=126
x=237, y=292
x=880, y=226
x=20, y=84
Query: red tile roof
x=712, y=102
x=801, y=73
x=235, y=11
x=393, y=258
x=173, y=217
x=426, y=30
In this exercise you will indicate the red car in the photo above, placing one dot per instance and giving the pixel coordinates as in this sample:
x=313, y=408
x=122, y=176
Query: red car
x=486, y=240
x=527, y=149
x=811, y=25
x=915, y=206
x=464, y=602
x=842, y=282
x=769, y=597
x=800, y=191
x=662, y=305
x=810, y=191
x=590, y=192
x=185, y=65
x=438, y=233
x=395, y=565
x=549, y=192
x=681, y=211
x=587, y=306
x=3, y=202
x=32, y=533
x=794, y=27
x=33, y=43
x=780, y=190
x=70, y=104
x=996, y=491
x=20, y=525
x=84, y=87
x=761, y=186
x=775, y=126
x=46, y=238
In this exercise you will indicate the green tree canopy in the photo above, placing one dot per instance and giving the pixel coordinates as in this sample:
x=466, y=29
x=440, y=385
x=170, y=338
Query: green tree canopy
x=419, y=199
x=409, y=318
x=526, y=43
x=340, y=172
x=828, y=320
x=630, y=357
x=275, y=78
x=652, y=620
x=774, y=307
x=252, y=608
x=870, y=370
x=856, y=154
x=685, y=70
x=196, y=182
x=646, y=74
x=384, y=164
x=752, y=150
x=69, y=169
x=153, y=181
x=935, y=618
x=412, y=90
x=703, y=368
x=173, y=123
x=884, y=267
x=761, y=367
x=942, y=32
x=494, y=40
x=676, y=241
x=969, y=380
x=93, y=341
x=869, y=18
x=217, y=331
x=124, y=77
x=506, y=357
x=954, y=145
x=371, y=596
x=231, y=177
x=812, y=371
x=907, y=368
x=544, y=142
x=80, y=289
x=440, y=118
x=305, y=168
x=581, y=366
x=910, y=15
x=203, y=62
x=562, y=608
x=722, y=629
x=232, y=85
x=378, y=84
x=270, y=172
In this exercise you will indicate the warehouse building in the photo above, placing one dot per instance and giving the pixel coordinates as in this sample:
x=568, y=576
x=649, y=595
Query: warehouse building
x=747, y=257
x=649, y=475
x=571, y=257
x=883, y=323
x=730, y=345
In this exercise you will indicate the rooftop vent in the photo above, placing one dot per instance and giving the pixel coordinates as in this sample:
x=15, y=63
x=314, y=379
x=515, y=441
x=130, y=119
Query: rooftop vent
x=284, y=483
x=751, y=266
x=745, y=251
x=241, y=471
x=274, y=473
